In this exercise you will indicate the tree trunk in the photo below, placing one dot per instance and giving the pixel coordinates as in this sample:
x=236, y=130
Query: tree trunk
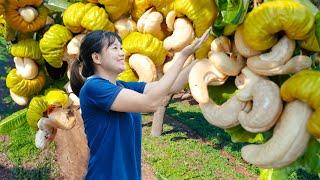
x=72, y=150
x=158, y=116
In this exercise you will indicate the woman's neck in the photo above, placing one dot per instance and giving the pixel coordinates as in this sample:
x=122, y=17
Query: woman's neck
x=112, y=77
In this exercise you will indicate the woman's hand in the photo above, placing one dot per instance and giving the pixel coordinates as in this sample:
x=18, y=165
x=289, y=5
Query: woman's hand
x=190, y=49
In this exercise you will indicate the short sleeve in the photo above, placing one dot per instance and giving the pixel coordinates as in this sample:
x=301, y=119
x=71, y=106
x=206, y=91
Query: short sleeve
x=101, y=93
x=135, y=86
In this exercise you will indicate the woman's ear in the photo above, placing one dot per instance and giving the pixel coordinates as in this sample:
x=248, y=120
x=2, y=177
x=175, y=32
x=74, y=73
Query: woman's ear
x=96, y=58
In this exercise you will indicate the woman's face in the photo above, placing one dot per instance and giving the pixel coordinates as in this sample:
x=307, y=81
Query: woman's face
x=112, y=58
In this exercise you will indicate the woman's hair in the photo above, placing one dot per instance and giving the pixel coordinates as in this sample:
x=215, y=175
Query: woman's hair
x=91, y=43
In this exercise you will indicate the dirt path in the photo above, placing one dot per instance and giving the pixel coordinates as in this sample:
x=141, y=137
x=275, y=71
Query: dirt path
x=5, y=164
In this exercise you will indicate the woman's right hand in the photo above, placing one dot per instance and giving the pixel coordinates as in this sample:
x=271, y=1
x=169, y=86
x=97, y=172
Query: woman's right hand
x=190, y=49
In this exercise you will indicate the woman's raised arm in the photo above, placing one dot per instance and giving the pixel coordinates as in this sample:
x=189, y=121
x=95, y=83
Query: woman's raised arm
x=131, y=101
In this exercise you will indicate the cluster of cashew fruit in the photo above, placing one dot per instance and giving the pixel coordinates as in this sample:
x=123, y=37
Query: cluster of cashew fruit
x=258, y=104
x=57, y=117
x=147, y=68
x=48, y=113
x=26, y=78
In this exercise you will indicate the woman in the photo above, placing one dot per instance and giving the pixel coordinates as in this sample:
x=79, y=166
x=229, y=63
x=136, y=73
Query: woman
x=112, y=126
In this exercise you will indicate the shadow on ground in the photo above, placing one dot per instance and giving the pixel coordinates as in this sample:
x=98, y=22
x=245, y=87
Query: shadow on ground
x=19, y=172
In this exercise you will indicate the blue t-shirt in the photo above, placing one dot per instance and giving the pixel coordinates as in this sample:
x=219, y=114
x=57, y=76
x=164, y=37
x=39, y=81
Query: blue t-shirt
x=114, y=138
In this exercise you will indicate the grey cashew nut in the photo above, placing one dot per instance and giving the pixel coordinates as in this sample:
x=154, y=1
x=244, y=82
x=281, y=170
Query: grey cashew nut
x=203, y=73
x=224, y=116
x=170, y=18
x=294, y=65
x=45, y=133
x=182, y=35
x=72, y=97
x=227, y=62
x=266, y=109
x=28, y=13
x=150, y=22
x=221, y=44
x=26, y=67
x=246, y=79
x=20, y=100
x=229, y=65
x=279, y=55
x=73, y=47
x=124, y=26
x=289, y=140
x=144, y=67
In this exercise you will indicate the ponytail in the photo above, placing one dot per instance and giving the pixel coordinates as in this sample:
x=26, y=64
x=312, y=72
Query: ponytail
x=76, y=79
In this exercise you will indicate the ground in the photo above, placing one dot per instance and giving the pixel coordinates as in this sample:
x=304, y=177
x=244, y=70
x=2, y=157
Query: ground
x=72, y=153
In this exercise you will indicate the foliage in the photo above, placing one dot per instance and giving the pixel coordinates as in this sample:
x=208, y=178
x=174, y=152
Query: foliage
x=238, y=134
x=231, y=13
x=13, y=121
x=4, y=54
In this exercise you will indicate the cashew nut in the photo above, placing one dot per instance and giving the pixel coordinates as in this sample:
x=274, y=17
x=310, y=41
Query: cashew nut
x=182, y=35
x=171, y=16
x=230, y=66
x=203, y=73
x=150, y=22
x=60, y=118
x=224, y=116
x=221, y=44
x=266, y=109
x=279, y=55
x=289, y=140
x=20, y=100
x=44, y=137
x=28, y=13
x=167, y=65
x=241, y=46
x=294, y=65
x=125, y=26
x=144, y=67
x=73, y=47
x=26, y=67
x=72, y=97
x=245, y=82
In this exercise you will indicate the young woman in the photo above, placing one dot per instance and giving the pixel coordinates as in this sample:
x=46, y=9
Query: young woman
x=109, y=107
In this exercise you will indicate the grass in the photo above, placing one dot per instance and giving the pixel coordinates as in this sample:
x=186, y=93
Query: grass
x=28, y=161
x=174, y=155
x=191, y=116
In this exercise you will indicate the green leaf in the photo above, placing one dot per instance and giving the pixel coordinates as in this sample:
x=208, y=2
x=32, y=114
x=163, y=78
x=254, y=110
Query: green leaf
x=232, y=12
x=13, y=121
x=220, y=94
x=274, y=174
x=315, y=65
x=4, y=54
x=57, y=5
x=238, y=134
x=318, y=27
x=310, y=161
